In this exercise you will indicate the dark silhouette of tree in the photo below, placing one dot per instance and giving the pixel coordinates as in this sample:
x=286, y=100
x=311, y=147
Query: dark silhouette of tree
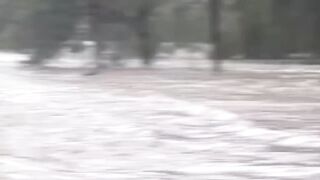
x=147, y=45
x=49, y=25
x=215, y=33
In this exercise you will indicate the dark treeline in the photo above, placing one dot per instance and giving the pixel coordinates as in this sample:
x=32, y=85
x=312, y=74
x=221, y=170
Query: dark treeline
x=274, y=29
x=252, y=29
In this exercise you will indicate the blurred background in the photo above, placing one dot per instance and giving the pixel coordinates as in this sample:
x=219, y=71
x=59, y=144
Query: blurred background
x=241, y=29
x=159, y=89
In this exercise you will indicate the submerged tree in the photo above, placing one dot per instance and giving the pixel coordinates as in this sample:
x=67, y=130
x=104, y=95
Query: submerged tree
x=215, y=33
x=43, y=26
x=49, y=25
x=143, y=28
x=133, y=14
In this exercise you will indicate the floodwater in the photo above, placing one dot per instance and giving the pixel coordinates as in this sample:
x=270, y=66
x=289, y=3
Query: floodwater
x=64, y=126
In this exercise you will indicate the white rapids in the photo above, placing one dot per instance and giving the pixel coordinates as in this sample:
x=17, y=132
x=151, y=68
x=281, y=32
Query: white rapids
x=57, y=130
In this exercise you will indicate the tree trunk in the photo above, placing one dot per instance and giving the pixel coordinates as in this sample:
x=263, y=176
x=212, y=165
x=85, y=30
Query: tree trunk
x=146, y=46
x=215, y=33
x=95, y=16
